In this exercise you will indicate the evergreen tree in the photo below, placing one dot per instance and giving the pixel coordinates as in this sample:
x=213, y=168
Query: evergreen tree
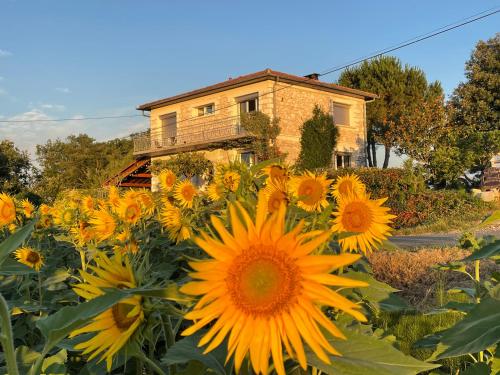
x=318, y=140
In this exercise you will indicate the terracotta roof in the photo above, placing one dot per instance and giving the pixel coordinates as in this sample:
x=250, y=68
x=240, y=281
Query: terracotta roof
x=263, y=75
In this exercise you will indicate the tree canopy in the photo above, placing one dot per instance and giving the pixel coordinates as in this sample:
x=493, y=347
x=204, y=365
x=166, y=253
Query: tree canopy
x=79, y=162
x=394, y=119
x=16, y=170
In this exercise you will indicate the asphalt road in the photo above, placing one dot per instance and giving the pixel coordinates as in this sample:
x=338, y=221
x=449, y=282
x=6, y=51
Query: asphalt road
x=434, y=240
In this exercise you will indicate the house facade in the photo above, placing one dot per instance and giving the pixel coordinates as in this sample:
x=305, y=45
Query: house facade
x=208, y=119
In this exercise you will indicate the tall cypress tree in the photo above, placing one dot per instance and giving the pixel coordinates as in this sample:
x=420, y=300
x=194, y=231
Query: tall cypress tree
x=318, y=140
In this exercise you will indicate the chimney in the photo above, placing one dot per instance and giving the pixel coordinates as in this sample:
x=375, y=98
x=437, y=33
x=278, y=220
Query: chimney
x=314, y=76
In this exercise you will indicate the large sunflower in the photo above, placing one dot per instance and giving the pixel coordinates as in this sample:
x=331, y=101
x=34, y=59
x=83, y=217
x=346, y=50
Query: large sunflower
x=103, y=225
x=264, y=289
x=29, y=257
x=7, y=210
x=215, y=191
x=359, y=214
x=276, y=173
x=167, y=179
x=114, y=327
x=185, y=193
x=310, y=190
x=348, y=184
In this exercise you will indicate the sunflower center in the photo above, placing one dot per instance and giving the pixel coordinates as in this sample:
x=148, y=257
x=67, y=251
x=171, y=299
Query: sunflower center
x=33, y=257
x=277, y=173
x=275, y=201
x=7, y=211
x=120, y=312
x=170, y=180
x=188, y=192
x=357, y=217
x=132, y=212
x=263, y=281
x=345, y=187
x=310, y=191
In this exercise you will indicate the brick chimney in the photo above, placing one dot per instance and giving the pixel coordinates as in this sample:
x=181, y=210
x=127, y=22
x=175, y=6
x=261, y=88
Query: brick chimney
x=314, y=76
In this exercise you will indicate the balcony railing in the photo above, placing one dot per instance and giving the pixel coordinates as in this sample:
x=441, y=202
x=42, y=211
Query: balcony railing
x=191, y=135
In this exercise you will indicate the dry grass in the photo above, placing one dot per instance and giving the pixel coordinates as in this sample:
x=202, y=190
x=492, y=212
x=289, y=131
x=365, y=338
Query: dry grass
x=412, y=273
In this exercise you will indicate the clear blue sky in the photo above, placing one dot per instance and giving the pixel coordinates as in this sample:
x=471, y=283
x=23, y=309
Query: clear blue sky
x=63, y=59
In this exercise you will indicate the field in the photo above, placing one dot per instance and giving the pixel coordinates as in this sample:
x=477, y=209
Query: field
x=263, y=271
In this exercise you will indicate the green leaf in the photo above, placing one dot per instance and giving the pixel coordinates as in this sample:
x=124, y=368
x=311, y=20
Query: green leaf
x=170, y=292
x=59, y=325
x=13, y=267
x=55, y=364
x=58, y=276
x=479, y=330
x=476, y=369
x=187, y=350
x=495, y=361
x=15, y=240
x=377, y=294
x=490, y=250
x=492, y=219
x=460, y=306
x=471, y=292
x=366, y=354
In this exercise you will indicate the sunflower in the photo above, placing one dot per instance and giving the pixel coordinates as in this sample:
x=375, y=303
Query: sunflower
x=231, y=180
x=167, y=179
x=130, y=247
x=82, y=233
x=264, y=289
x=88, y=205
x=27, y=208
x=129, y=210
x=113, y=197
x=177, y=228
x=114, y=327
x=348, y=184
x=103, y=224
x=185, y=193
x=7, y=210
x=310, y=190
x=64, y=217
x=276, y=195
x=364, y=216
x=44, y=209
x=276, y=173
x=215, y=191
x=147, y=202
x=29, y=257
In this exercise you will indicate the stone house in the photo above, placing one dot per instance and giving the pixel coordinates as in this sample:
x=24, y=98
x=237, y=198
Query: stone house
x=208, y=119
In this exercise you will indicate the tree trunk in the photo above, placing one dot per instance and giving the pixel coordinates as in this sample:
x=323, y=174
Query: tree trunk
x=387, y=155
x=369, y=155
x=374, y=154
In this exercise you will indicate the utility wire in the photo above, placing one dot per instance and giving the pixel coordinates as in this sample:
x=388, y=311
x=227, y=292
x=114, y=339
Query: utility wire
x=408, y=42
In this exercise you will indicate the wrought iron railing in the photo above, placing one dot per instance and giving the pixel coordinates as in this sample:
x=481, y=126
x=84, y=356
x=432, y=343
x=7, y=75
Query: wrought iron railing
x=192, y=132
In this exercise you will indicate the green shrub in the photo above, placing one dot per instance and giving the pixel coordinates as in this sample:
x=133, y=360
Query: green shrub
x=187, y=164
x=413, y=203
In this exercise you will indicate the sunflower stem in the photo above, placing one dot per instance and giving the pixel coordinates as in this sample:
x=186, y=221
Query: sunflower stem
x=6, y=338
x=82, y=259
x=152, y=364
x=40, y=295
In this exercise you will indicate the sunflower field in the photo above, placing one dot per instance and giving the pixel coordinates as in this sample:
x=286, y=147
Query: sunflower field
x=261, y=271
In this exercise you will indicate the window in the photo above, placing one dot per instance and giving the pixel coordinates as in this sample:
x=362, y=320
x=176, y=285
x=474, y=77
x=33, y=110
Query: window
x=340, y=114
x=169, y=128
x=248, y=157
x=343, y=160
x=206, y=109
x=249, y=103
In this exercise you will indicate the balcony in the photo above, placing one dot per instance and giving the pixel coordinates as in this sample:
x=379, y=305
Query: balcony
x=192, y=135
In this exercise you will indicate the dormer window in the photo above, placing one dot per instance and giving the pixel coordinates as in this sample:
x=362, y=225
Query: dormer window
x=206, y=109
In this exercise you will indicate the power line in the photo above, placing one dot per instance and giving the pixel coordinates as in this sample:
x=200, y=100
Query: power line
x=412, y=41
x=403, y=44
x=70, y=119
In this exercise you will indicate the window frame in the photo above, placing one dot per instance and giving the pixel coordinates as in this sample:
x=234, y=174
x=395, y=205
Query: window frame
x=204, y=109
x=343, y=155
x=245, y=99
x=345, y=106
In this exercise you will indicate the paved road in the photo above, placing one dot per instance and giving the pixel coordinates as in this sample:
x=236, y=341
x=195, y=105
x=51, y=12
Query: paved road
x=434, y=240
